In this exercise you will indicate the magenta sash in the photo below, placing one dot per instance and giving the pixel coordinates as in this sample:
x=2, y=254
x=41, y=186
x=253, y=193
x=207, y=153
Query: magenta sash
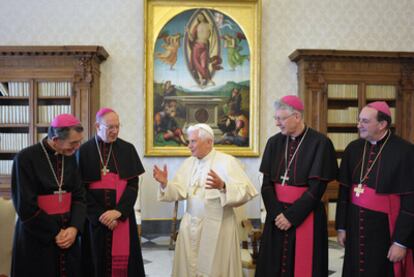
x=120, y=235
x=304, y=232
x=51, y=205
x=390, y=205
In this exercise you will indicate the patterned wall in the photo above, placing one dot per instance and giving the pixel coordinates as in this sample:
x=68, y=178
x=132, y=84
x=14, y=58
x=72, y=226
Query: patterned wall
x=287, y=25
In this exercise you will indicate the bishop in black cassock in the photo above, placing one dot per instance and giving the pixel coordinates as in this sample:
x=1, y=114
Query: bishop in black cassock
x=50, y=201
x=297, y=165
x=107, y=162
x=375, y=210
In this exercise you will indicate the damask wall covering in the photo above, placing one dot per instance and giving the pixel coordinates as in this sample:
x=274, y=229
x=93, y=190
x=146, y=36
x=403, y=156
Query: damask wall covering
x=287, y=25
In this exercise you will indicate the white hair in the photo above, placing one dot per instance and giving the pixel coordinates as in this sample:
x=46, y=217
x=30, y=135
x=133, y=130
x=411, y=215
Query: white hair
x=204, y=131
x=280, y=105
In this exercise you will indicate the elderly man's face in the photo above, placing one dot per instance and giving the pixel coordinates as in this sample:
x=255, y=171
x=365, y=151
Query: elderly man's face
x=199, y=147
x=287, y=121
x=108, y=127
x=368, y=126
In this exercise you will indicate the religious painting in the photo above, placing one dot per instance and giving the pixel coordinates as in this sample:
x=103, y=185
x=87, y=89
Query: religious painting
x=202, y=66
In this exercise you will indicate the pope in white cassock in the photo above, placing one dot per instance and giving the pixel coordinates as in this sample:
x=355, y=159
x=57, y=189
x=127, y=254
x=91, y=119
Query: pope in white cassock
x=213, y=183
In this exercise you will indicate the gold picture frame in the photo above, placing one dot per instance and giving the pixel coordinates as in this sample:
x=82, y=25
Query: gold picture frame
x=202, y=65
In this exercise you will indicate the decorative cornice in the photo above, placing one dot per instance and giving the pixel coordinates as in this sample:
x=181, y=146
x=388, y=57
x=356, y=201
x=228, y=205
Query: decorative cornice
x=97, y=52
x=326, y=54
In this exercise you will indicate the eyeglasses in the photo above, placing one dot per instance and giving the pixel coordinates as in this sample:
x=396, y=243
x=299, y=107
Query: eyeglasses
x=111, y=127
x=282, y=119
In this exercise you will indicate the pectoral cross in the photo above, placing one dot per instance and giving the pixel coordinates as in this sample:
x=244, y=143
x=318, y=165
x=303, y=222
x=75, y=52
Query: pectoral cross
x=359, y=190
x=284, y=178
x=105, y=170
x=60, y=192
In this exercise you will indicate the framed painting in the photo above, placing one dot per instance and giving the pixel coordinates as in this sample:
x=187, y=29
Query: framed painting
x=202, y=65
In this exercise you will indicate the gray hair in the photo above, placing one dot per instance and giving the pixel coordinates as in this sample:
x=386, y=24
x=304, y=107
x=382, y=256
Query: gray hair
x=204, y=131
x=62, y=133
x=279, y=105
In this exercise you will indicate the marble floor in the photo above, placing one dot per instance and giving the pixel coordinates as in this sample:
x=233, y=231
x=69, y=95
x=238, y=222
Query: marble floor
x=158, y=259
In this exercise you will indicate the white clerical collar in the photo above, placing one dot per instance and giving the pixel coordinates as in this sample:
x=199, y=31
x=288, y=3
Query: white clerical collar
x=374, y=142
x=298, y=136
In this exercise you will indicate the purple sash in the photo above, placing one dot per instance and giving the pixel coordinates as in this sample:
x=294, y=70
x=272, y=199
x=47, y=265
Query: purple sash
x=304, y=232
x=51, y=205
x=390, y=205
x=120, y=235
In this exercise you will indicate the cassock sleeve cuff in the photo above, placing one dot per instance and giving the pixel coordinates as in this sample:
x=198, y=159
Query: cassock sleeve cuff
x=400, y=245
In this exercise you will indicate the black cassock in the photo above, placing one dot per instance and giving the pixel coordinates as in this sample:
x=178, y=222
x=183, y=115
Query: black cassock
x=313, y=167
x=367, y=232
x=125, y=162
x=35, y=252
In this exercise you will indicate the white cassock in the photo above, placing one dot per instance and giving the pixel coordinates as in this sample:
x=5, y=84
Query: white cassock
x=208, y=242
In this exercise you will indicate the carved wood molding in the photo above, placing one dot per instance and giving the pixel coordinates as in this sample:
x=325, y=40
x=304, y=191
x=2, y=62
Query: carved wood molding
x=84, y=71
x=407, y=77
x=79, y=50
x=318, y=54
x=314, y=78
x=84, y=58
